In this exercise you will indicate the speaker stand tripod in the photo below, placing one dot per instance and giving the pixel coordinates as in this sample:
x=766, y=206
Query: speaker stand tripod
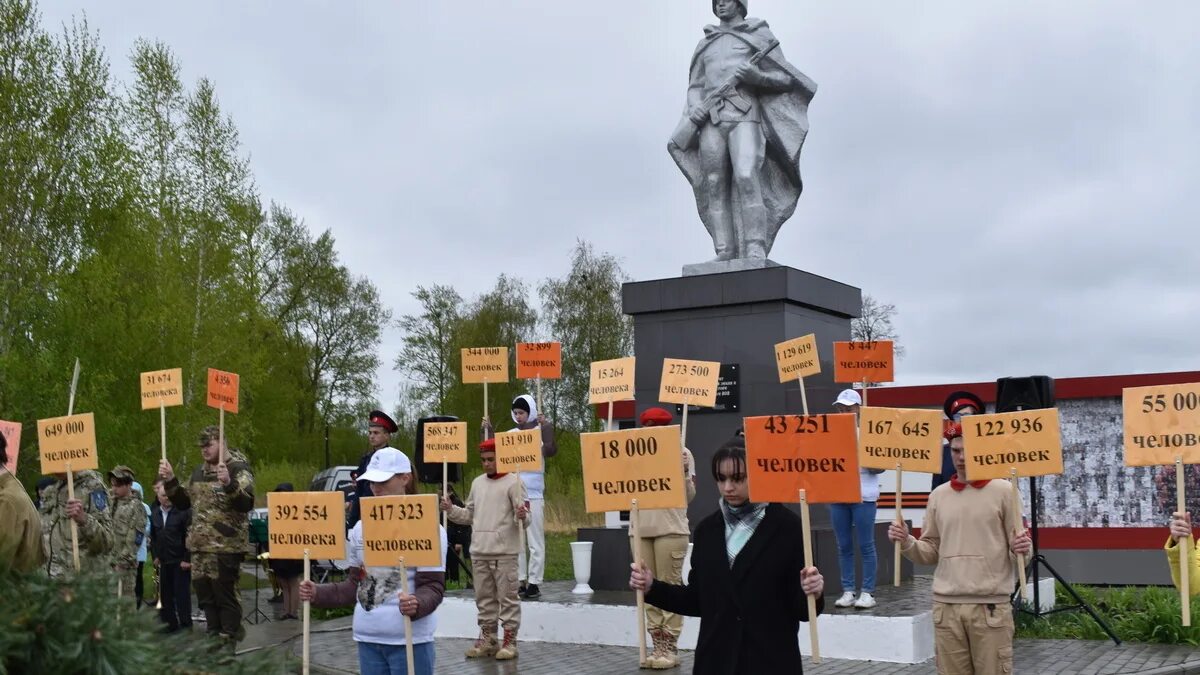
x=256, y=615
x=1040, y=560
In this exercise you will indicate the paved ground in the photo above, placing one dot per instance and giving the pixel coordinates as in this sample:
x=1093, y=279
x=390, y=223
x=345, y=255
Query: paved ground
x=333, y=651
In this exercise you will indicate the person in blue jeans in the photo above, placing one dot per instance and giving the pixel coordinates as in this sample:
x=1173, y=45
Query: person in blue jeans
x=375, y=592
x=856, y=520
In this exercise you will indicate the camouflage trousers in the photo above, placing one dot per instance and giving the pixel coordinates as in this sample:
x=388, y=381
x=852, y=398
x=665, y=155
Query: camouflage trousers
x=127, y=579
x=215, y=578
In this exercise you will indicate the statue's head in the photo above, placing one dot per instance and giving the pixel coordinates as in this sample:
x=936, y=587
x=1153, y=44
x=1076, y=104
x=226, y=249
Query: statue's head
x=727, y=9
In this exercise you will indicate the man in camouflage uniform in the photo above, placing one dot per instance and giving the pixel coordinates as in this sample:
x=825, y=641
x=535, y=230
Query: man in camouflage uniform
x=91, y=514
x=129, y=528
x=220, y=494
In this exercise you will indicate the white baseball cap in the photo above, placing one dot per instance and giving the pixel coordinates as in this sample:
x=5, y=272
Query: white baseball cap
x=385, y=463
x=849, y=397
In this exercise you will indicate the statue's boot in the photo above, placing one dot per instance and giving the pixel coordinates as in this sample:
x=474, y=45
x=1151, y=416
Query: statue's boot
x=722, y=233
x=754, y=220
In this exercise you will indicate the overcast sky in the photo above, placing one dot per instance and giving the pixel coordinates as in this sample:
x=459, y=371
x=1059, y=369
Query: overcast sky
x=1019, y=178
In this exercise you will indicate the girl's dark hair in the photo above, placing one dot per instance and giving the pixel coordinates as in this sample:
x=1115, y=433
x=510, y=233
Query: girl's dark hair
x=733, y=449
x=3, y=449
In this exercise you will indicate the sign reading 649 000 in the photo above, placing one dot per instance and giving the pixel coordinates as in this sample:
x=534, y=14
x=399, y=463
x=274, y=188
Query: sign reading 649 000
x=68, y=441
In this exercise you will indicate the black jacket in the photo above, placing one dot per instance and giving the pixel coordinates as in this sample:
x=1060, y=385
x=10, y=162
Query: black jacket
x=169, y=543
x=750, y=615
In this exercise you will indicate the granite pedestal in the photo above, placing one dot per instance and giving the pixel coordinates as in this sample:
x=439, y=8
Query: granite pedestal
x=737, y=318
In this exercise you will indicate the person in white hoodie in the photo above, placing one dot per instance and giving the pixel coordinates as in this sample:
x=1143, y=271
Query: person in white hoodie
x=531, y=567
x=852, y=521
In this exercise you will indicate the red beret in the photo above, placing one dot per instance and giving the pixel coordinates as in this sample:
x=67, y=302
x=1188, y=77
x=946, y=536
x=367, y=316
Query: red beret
x=951, y=430
x=488, y=446
x=655, y=417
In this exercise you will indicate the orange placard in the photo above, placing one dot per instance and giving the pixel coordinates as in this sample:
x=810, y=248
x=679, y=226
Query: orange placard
x=401, y=527
x=12, y=434
x=863, y=361
x=223, y=390
x=612, y=380
x=689, y=382
x=789, y=453
x=484, y=364
x=644, y=464
x=891, y=436
x=797, y=358
x=1029, y=441
x=68, y=440
x=315, y=521
x=162, y=388
x=446, y=442
x=539, y=359
x=1162, y=422
x=519, y=450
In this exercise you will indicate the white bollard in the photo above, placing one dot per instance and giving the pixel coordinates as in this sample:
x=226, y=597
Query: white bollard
x=581, y=560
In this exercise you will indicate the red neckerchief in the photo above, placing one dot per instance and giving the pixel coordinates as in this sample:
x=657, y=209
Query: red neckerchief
x=494, y=476
x=959, y=486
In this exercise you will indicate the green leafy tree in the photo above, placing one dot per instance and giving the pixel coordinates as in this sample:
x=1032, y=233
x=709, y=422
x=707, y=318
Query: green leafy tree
x=429, y=357
x=582, y=310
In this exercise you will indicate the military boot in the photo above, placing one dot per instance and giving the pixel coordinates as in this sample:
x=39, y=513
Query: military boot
x=655, y=656
x=509, y=649
x=485, y=645
x=670, y=652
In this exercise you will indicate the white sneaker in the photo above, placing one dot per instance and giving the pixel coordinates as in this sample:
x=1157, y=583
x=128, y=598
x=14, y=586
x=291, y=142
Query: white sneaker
x=846, y=600
x=865, y=601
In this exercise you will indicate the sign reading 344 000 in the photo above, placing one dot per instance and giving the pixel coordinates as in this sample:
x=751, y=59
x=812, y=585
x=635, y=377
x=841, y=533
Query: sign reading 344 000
x=484, y=364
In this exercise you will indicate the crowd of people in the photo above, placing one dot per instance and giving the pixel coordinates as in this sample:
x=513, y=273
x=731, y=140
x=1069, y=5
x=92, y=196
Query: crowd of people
x=748, y=582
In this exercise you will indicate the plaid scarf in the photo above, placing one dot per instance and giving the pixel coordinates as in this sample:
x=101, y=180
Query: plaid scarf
x=740, y=523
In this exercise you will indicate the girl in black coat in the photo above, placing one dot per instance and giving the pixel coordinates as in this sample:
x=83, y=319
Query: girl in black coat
x=747, y=583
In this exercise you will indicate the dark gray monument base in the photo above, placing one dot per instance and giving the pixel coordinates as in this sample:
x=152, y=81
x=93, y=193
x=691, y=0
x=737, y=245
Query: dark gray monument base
x=611, y=557
x=737, y=318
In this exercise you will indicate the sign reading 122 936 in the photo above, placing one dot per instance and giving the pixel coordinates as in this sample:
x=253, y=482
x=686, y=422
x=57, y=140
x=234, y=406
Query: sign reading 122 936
x=1028, y=441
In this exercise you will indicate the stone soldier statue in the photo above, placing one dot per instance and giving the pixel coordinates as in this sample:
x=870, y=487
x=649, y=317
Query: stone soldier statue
x=220, y=494
x=739, y=140
x=129, y=528
x=90, y=511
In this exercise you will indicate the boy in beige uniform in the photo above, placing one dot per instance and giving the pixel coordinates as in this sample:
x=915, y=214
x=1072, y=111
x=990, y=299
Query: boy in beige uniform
x=970, y=532
x=495, y=509
x=664, y=539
